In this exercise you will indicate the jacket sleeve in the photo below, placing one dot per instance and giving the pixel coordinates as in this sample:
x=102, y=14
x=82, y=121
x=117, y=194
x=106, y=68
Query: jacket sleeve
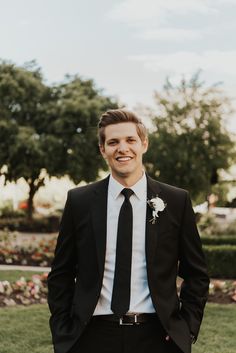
x=61, y=279
x=192, y=268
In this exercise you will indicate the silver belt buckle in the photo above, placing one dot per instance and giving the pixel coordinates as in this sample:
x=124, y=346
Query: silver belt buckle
x=129, y=323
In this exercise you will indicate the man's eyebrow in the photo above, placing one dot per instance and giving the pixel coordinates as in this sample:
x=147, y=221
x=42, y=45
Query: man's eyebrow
x=117, y=138
x=112, y=139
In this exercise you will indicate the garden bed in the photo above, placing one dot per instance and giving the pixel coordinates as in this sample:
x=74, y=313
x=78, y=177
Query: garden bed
x=35, y=250
x=27, y=251
x=222, y=291
x=34, y=290
x=23, y=291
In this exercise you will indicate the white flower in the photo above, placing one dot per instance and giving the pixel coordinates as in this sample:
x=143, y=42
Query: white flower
x=157, y=205
x=2, y=289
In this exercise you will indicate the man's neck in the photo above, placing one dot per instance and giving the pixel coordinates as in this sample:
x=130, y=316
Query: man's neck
x=128, y=181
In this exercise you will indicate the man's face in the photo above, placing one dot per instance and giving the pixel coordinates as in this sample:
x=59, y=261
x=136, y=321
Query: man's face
x=123, y=150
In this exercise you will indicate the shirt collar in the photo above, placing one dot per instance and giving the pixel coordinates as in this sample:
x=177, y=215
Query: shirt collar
x=139, y=189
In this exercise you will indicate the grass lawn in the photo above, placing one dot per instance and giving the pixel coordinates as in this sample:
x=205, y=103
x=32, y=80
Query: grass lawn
x=218, y=333
x=25, y=329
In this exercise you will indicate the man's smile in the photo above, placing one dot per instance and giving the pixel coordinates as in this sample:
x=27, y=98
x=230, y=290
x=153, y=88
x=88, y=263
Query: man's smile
x=124, y=159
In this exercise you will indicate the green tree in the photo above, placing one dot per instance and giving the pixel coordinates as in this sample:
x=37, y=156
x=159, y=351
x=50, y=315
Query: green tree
x=48, y=130
x=23, y=105
x=190, y=145
x=79, y=105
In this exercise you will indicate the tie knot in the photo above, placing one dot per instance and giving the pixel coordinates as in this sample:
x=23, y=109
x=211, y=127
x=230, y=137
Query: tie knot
x=127, y=193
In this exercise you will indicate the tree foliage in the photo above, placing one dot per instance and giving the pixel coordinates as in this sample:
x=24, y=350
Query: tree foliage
x=190, y=144
x=48, y=129
x=79, y=105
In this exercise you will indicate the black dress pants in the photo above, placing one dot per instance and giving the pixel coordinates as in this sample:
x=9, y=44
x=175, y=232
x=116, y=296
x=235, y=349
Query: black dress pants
x=102, y=336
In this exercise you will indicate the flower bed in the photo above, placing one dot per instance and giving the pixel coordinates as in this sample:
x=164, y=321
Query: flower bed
x=39, y=251
x=34, y=252
x=26, y=292
x=222, y=291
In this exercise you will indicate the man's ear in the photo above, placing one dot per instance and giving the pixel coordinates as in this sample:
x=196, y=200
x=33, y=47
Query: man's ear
x=102, y=151
x=145, y=145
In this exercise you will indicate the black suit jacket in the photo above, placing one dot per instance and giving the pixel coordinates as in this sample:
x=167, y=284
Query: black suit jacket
x=173, y=247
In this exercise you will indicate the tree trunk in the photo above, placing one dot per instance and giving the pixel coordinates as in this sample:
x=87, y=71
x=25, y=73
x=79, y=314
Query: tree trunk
x=30, y=201
x=34, y=185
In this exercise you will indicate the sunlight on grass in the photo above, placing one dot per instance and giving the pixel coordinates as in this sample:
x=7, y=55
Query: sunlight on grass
x=218, y=330
x=14, y=275
x=25, y=329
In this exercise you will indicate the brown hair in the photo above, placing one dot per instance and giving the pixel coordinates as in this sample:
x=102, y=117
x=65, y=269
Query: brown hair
x=116, y=116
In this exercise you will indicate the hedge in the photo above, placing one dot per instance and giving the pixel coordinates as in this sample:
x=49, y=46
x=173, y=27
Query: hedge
x=221, y=260
x=219, y=240
x=48, y=224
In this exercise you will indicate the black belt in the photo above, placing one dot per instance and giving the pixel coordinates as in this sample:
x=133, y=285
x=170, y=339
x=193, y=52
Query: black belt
x=129, y=319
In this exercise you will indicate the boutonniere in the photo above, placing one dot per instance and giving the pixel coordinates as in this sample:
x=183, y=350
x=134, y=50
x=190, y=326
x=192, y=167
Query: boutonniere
x=157, y=205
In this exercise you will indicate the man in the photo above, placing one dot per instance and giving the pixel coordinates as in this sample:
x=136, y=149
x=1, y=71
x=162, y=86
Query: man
x=122, y=242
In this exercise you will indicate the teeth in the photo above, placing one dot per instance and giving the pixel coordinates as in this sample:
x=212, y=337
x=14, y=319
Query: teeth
x=123, y=158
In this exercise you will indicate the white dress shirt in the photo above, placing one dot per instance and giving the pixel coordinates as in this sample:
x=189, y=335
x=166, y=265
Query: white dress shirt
x=140, y=300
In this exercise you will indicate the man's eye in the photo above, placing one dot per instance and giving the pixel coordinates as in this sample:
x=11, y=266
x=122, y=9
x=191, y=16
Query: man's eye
x=131, y=140
x=111, y=143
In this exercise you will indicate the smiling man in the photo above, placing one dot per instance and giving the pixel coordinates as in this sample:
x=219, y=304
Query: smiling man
x=122, y=242
x=123, y=149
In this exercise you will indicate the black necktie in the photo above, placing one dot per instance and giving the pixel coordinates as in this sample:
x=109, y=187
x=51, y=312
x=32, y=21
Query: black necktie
x=121, y=287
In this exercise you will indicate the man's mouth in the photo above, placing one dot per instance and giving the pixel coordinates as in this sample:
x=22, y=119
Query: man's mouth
x=123, y=159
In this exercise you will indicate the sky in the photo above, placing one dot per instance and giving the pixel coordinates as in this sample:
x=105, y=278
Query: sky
x=128, y=47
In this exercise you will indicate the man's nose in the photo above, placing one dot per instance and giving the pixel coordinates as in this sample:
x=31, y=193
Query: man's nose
x=123, y=147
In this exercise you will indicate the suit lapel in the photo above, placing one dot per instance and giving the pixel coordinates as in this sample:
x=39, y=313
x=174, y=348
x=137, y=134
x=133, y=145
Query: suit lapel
x=99, y=221
x=161, y=224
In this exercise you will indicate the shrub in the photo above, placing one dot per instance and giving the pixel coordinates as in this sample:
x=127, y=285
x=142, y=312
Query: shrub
x=221, y=260
x=38, y=225
x=8, y=211
x=210, y=225
x=231, y=228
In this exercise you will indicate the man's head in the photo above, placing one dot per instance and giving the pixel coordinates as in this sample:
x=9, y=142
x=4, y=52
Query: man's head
x=116, y=116
x=123, y=141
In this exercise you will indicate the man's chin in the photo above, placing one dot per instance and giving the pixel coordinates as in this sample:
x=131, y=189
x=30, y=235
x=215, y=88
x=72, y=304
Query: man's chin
x=124, y=173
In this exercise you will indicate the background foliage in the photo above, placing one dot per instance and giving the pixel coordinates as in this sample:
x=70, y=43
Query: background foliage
x=52, y=130
x=190, y=145
x=48, y=129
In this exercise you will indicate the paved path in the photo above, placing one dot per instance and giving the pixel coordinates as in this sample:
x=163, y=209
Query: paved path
x=24, y=268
